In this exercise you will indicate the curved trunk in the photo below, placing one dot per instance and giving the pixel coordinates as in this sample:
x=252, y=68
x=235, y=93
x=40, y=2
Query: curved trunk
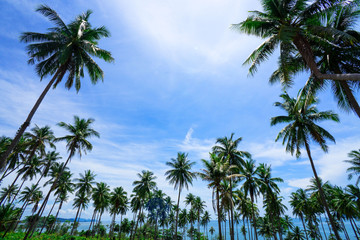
x=23, y=127
x=57, y=213
x=219, y=213
x=304, y=49
x=322, y=195
x=177, y=214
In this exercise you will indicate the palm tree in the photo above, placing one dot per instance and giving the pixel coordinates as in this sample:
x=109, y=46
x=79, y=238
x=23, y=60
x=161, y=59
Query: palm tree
x=211, y=230
x=205, y=219
x=49, y=159
x=76, y=142
x=228, y=148
x=28, y=171
x=299, y=203
x=14, y=160
x=9, y=192
x=250, y=185
x=301, y=117
x=143, y=188
x=292, y=25
x=355, y=162
x=216, y=169
x=101, y=198
x=65, y=49
x=80, y=202
x=117, y=200
x=199, y=207
x=181, y=176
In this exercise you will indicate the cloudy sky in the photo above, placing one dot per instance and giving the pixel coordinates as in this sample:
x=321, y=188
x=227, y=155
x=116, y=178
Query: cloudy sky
x=176, y=85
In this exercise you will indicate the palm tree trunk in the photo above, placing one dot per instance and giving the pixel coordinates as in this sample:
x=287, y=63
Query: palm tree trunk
x=345, y=231
x=302, y=220
x=74, y=224
x=304, y=49
x=357, y=237
x=23, y=127
x=92, y=219
x=42, y=208
x=4, y=197
x=322, y=195
x=57, y=213
x=253, y=215
x=112, y=225
x=219, y=213
x=137, y=221
x=249, y=229
x=322, y=226
x=49, y=213
x=120, y=226
x=177, y=214
x=231, y=223
x=6, y=173
x=17, y=192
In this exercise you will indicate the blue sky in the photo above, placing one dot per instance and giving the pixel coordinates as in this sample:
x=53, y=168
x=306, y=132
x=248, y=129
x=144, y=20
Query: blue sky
x=177, y=84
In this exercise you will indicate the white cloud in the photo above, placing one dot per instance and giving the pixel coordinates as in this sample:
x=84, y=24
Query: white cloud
x=192, y=34
x=299, y=183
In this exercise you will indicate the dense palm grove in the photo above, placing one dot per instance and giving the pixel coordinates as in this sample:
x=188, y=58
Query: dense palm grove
x=317, y=36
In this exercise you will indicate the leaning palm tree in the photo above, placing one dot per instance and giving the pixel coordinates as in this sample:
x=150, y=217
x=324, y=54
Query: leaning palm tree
x=301, y=118
x=76, y=142
x=293, y=25
x=355, y=162
x=81, y=201
x=181, y=176
x=298, y=202
x=215, y=171
x=65, y=49
x=229, y=148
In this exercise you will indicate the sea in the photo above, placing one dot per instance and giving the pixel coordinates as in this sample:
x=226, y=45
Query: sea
x=238, y=234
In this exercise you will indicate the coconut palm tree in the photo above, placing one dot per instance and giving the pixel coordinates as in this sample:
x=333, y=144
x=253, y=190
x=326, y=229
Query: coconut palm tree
x=81, y=201
x=66, y=49
x=117, y=201
x=29, y=170
x=299, y=202
x=101, y=198
x=301, y=118
x=215, y=170
x=205, y=219
x=292, y=25
x=143, y=188
x=251, y=185
x=229, y=148
x=180, y=176
x=76, y=142
x=14, y=160
x=8, y=193
x=199, y=207
x=48, y=160
x=355, y=165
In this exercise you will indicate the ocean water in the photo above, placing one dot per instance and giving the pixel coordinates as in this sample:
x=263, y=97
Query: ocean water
x=238, y=234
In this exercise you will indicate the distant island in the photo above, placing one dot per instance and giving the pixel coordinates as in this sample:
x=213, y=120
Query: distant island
x=72, y=220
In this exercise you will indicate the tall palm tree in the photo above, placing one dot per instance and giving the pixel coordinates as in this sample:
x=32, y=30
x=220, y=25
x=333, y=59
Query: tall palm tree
x=81, y=201
x=292, y=25
x=48, y=160
x=199, y=207
x=76, y=142
x=215, y=170
x=101, y=198
x=8, y=193
x=229, y=148
x=143, y=188
x=301, y=118
x=180, y=176
x=355, y=162
x=117, y=201
x=299, y=203
x=39, y=138
x=251, y=185
x=205, y=219
x=66, y=49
